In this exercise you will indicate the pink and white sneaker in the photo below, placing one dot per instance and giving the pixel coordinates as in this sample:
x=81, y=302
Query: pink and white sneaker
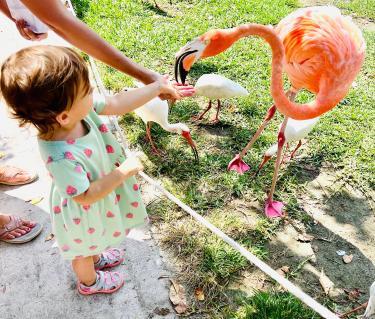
x=106, y=283
x=109, y=258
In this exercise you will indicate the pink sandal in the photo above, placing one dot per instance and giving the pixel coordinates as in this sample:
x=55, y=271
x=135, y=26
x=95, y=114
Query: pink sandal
x=14, y=223
x=106, y=283
x=109, y=258
x=12, y=176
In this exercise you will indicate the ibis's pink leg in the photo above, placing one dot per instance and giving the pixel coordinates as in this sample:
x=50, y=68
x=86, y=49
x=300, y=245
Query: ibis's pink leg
x=286, y=151
x=148, y=132
x=200, y=116
x=265, y=160
x=215, y=120
x=295, y=150
x=274, y=208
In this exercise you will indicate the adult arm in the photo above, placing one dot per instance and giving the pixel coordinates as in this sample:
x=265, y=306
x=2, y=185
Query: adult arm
x=59, y=19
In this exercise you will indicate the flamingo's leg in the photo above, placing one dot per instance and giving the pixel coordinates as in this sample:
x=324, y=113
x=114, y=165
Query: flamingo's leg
x=200, y=116
x=148, y=132
x=274, y=208
x=237, y=164
x=215, y=120
x=295, y=150
x=270, y=114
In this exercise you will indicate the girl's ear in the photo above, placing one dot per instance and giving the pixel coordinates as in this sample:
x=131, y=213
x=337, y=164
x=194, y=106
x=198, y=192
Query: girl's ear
x=63, y=118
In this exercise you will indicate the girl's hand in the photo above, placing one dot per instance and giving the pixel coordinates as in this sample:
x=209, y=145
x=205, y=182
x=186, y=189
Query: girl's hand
x=172, y=90
x=131, y=166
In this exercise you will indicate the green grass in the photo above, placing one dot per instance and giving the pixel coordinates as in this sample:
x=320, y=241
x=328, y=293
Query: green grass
x=360, y=8
x=344, y=138
x=263, y=305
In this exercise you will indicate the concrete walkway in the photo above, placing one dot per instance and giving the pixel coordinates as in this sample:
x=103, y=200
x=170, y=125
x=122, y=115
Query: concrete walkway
x=35, y=282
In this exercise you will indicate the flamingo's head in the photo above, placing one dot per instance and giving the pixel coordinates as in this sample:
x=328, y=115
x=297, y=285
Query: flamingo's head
x=209, y=44
x=184, y=131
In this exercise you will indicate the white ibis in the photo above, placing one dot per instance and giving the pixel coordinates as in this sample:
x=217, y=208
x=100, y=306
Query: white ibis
x=295, y=130
x=216, y=87
x=157, y=111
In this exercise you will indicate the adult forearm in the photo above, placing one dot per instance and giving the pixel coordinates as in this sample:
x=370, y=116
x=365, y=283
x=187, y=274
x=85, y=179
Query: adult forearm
x=4, y=9
x=70, y=28
x=89, y=42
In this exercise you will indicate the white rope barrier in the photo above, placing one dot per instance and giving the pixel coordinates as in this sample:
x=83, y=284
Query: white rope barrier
x=297, y=292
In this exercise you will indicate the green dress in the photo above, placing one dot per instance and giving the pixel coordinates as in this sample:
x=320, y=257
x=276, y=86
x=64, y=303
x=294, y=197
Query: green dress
x=86, y=230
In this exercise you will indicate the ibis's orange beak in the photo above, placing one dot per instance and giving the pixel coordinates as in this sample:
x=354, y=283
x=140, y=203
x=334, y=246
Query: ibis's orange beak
x=188, y=138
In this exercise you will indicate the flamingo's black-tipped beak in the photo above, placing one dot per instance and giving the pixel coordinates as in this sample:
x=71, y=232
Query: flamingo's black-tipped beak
x=188, y=138
x=180, y=72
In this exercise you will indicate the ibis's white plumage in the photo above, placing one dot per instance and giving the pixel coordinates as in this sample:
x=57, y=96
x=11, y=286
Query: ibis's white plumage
x=155, y=110
x=216, y=86
x=295, y=130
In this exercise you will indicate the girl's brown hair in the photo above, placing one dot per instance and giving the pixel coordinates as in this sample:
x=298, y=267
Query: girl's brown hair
x=40, y=82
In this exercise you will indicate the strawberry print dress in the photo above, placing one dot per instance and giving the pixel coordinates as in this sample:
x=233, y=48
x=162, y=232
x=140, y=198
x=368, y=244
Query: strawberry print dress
x=86, y=230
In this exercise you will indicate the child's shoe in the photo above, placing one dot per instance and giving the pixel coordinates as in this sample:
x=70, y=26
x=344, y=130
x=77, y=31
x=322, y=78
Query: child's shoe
x=106, y=283
x=109, y=258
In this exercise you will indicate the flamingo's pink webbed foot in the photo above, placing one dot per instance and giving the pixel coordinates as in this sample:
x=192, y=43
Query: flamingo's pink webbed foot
x=274, y=209
x=238, y=165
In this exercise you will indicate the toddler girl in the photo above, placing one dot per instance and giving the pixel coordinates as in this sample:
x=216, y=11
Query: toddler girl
x=95, y=199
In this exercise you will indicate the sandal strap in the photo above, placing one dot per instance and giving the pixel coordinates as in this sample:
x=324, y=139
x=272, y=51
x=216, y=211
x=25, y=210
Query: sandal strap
x=14, y=223
x=12, y=171
x=108, y=257
x=105, y=280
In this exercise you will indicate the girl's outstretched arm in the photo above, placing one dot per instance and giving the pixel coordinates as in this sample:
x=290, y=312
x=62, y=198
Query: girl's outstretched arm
x=127, y=101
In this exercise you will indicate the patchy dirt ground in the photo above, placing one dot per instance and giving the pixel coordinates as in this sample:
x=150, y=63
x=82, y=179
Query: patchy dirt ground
x=341, y=220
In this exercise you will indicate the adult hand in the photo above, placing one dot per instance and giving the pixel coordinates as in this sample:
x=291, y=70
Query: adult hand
x=172, y=90
x=26, y=32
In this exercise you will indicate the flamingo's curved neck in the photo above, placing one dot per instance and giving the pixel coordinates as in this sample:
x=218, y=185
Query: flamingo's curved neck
x=284, y=105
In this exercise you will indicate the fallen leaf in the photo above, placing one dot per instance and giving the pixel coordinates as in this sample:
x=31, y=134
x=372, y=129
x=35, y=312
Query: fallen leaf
x=283, y=270
x=305, y=238
x=49, y=237
x=199, y=294
x=161, y=311
x=347, y=259
x=325, y=282
x=353, y=294
x=177, y=297
x=35, y=200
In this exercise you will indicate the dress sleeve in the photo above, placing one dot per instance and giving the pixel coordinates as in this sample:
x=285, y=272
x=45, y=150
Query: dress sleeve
x=69, y=177
x=99, y=102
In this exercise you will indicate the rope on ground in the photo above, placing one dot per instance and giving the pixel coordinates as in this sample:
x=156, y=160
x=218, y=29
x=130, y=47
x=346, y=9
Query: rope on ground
x=297, y=292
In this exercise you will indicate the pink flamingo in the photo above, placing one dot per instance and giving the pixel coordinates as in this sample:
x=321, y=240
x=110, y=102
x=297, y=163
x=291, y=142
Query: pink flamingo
x=319, y=49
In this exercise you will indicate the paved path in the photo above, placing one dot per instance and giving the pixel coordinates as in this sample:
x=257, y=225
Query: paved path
x=35, y=282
